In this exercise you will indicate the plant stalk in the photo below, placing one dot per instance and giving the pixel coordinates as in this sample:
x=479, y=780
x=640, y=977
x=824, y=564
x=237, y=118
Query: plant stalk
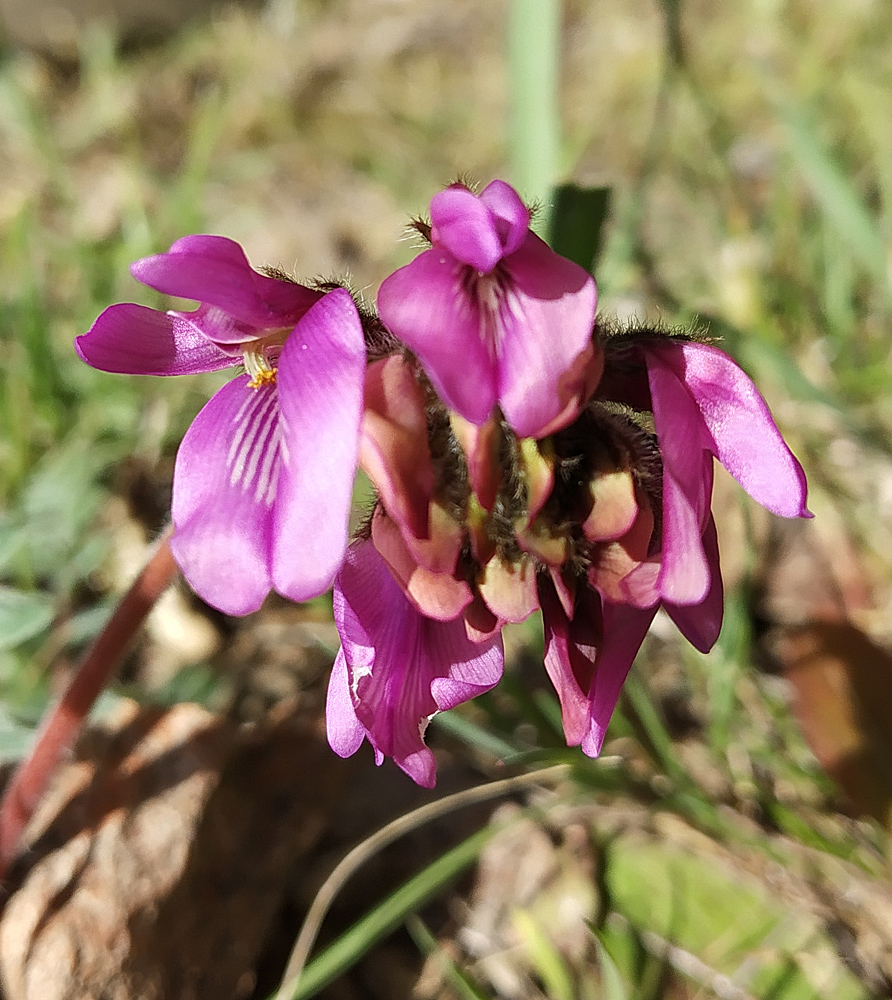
x=62, y=724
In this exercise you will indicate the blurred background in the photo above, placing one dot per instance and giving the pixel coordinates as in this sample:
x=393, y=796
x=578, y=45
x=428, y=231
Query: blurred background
x=733, y=839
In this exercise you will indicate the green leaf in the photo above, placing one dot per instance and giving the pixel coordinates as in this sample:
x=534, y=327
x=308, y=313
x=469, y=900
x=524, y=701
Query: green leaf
x=23, y=614
x=15, y=736
x=11, y=541
x=732, y=923
x=59, y=502
x=577, y=223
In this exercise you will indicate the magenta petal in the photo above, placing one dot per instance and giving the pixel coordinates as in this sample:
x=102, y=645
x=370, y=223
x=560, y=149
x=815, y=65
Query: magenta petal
x=566, y=592
x=223, y=492
x=214, y=270
x=473, y=667
x=427, y=307
x=745, y=438
x=394, y=451
x=403, y=667
x=136, y=340
x=345, y=732
x=687, y=486
x=465, y=227
x=640, y=587
x=480, y=443
x=221, y=327
x=624, y=630
x=571, y=649
x=701, y=624
x=436, y=595
x=320, y=378
x=684, y=576
x=546, y=320
x=512, y=217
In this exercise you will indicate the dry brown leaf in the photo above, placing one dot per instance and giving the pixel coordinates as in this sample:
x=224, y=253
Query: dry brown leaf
x=843, y=685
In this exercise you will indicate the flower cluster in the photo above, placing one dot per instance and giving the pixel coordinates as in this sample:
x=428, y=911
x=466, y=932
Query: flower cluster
x=523, y=457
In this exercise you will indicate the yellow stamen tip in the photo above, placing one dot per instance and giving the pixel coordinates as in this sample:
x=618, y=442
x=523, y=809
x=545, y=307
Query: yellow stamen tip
x=266, y=376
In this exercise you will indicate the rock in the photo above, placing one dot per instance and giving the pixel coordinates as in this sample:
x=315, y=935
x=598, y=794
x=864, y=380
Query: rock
x=158, y=863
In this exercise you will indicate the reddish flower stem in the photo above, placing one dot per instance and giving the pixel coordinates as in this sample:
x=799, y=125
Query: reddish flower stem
x=62, y=723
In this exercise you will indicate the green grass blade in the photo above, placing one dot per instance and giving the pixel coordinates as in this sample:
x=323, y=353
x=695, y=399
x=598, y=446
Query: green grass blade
x=475, y=736
x=546, y=960
x=533, y=57
x=725, y=667
x=835, y=193
x=654, y=729
x=613, y=987
x=457, y=978
x=389, y=914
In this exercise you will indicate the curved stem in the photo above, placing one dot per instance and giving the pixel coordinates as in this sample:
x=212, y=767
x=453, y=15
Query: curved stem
x=62, y=724
x=378, y=841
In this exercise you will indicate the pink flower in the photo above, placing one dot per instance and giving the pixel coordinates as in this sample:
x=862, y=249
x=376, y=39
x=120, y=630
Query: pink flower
x=599, y=525
x=397, y=668
x=589, y=650
x=264, y=476
x=523, y=457
x=705, y=407
x=494, y=315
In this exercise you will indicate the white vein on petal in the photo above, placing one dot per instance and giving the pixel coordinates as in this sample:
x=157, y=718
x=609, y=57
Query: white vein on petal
x=253, y=454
